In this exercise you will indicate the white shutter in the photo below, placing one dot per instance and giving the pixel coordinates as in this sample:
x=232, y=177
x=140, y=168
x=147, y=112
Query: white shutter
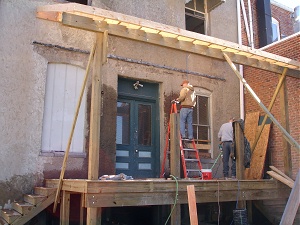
x=63, y=86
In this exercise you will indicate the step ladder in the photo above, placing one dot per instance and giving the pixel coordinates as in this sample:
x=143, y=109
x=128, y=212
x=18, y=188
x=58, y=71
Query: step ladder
x=190, y=159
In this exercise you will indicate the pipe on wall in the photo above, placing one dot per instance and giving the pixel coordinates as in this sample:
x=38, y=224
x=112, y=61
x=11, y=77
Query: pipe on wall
x=239, y=27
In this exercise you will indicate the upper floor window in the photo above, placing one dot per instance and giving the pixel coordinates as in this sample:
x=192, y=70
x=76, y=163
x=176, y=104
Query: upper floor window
x=275, y=30
x=196, y=12
x=195, y=16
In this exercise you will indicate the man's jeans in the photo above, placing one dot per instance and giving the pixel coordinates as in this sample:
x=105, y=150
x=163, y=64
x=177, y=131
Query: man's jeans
x=227, y=147
x=186, y=117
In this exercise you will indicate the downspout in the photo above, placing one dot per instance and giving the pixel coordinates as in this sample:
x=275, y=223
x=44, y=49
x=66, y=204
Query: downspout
x=251, y=24
x=239, y=27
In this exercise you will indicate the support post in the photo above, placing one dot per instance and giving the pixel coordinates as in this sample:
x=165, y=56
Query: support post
x=93, y=217
x=65, y=208
x=286, y=135
x=239, y=148
x=175, y=160
x=64, y=165
x=284, y=116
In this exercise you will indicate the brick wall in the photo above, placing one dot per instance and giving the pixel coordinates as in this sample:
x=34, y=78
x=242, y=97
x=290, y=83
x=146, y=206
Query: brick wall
x=264, y=84
x=284, y=18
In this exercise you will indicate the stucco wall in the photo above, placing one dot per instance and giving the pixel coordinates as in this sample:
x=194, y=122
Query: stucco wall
x=23, y=74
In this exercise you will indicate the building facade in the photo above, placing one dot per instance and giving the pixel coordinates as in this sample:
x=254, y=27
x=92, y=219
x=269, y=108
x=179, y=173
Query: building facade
x=43, y=67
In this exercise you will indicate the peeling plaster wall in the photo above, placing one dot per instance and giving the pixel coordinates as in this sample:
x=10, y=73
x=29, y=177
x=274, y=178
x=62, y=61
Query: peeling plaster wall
x=23, y=75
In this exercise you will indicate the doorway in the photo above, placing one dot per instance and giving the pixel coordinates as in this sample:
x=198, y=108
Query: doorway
x=137, y=133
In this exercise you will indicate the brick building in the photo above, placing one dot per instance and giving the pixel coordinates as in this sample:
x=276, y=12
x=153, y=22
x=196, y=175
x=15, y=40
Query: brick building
x=264, y=83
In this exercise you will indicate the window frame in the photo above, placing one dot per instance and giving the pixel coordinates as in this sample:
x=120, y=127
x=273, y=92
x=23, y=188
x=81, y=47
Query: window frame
x=208, y=94
x=276, y=23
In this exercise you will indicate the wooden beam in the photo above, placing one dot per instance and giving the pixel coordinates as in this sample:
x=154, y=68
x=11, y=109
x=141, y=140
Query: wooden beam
x=64, y=165
x=95, y=115
x=89, y=24
x=65, y=208
x=281, y=178
x=288, y=137
x=281, y=173
x=175, y=160
x=284, y=118
x=174, y=145
x=167, y=198
x=239, y=158
x=281, y=81
x=129, y=22
x=192, y=205
x=293, y=203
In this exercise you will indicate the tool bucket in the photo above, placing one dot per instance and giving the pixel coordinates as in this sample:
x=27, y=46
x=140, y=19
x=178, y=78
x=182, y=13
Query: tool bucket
x=240, y=217
x=206, y=174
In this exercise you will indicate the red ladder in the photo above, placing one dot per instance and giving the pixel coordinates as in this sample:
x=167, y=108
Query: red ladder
x=189, y=156
x=190, y=159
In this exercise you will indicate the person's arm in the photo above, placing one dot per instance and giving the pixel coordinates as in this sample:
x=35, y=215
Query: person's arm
x=182, y=95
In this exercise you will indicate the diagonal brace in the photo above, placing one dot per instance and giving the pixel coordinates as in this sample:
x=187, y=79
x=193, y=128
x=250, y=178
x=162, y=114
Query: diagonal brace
x=282, y=78
x=287, y=136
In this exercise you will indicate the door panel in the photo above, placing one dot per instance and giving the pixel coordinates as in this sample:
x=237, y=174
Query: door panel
x=135, y=147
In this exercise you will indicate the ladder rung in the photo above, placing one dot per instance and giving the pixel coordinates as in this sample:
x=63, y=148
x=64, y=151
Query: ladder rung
x=191, y=160
x=193, y=170
x=189, y=149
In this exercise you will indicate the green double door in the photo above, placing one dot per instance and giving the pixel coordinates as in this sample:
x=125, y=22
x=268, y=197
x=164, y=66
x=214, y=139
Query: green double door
x=137, y=134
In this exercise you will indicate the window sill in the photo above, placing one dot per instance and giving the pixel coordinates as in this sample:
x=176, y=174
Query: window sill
x=62, y=154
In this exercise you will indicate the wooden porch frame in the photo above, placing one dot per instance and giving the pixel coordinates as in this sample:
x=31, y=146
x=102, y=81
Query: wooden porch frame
x=102, y=21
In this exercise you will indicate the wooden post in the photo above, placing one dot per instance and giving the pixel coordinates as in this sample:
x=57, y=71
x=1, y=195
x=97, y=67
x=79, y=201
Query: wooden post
x=239, y=158
x=284, y=116
x=175, y=160
x=65, y=208
x=93, y=217
x=293, y=203
x=174, y=145
x=192, y=205
x=64, y=165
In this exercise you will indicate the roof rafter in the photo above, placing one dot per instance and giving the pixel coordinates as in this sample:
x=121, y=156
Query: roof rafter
x=117, y=24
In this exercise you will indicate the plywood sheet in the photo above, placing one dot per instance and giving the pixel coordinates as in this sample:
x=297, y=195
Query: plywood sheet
x=259, y=155
x=251, y=124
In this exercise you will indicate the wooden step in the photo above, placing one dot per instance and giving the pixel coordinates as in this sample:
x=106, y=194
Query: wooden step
x=10, y=215
x=22, y=207
x=34, y=199
x=51, y=183
x=45, y=191
x=3, y=221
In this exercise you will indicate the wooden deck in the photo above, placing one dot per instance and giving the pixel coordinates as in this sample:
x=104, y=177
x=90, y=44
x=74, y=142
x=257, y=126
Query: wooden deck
x=108, y=193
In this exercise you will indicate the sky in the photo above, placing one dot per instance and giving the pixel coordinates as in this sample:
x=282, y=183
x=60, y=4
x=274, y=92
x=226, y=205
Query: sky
x=290, y=3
